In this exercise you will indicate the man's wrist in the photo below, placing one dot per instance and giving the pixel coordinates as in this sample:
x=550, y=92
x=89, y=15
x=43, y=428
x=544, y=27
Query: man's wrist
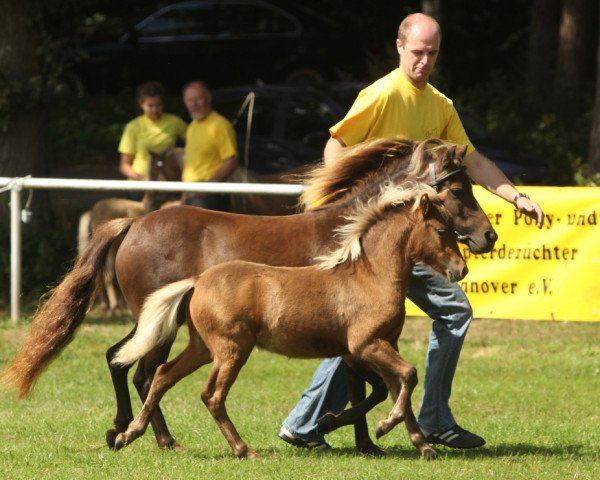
x=520, y=195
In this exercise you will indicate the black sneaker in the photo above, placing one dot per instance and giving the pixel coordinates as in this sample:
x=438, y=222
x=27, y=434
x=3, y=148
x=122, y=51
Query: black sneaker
x=456, y=437
x=296, y=441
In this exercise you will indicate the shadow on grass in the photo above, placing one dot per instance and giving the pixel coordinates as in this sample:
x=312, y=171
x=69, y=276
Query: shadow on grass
x=496, y=451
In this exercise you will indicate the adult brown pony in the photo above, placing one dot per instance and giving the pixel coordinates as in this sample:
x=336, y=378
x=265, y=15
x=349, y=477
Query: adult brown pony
x=350, y=304
x=168, y=245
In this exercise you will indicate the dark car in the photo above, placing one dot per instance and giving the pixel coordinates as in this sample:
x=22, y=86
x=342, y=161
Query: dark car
x=223, y=42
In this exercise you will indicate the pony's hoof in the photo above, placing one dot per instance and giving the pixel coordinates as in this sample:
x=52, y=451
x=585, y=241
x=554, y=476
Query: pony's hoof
x=325, y=424
x=111, y=436
x=429, y=454
x=171, y=444
x=380, y=431
x=372, y=450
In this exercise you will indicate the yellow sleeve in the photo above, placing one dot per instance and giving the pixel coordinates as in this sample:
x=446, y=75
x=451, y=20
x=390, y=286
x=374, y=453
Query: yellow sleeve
x=455, y=132
x=181, y=128
x=358, y=122
x=128, y=143
x=227, y=141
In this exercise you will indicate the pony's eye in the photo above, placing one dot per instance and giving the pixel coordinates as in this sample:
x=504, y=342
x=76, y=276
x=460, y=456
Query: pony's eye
x=457, y=192
x=441, y=232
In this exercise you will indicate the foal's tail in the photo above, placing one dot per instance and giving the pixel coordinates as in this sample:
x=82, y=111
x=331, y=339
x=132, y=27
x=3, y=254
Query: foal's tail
x=157, y=322
x=56, y=321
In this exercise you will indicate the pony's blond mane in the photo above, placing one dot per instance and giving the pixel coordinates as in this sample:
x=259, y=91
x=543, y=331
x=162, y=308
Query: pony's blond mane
x=357, y=164
x=367, y=214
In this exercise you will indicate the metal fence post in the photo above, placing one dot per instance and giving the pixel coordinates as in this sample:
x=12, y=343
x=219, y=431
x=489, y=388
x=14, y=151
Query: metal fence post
x=15, y=251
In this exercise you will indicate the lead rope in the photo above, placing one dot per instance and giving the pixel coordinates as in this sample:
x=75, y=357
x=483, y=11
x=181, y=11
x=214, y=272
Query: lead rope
x=249, y=103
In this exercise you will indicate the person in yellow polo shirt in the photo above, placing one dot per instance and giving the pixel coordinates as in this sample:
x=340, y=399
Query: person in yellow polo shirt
x=211, y=148
x=152, y=131
x=404, y=103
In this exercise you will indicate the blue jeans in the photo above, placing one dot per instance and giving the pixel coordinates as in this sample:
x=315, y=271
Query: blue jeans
x=451, y=312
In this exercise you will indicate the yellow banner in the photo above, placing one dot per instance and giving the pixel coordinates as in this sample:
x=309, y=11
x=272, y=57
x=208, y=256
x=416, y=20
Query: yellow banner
x=533, y=274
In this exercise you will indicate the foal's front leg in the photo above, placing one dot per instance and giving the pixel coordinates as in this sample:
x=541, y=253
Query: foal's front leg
x=358, y=373
x=225, y=371
x=401, y=379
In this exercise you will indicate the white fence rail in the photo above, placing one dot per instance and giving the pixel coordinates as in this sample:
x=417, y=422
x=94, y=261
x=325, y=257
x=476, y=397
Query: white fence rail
x=17, y=185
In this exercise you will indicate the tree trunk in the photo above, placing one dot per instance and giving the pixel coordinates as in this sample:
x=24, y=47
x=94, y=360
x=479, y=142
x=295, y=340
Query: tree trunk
x=594, y=151
x=541, y=54
x=22, y=143
x=574, y=47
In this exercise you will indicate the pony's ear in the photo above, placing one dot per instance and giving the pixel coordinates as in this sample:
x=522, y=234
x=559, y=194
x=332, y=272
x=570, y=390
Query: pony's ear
x=461, y=151
x=449, y=156
x=424, y=204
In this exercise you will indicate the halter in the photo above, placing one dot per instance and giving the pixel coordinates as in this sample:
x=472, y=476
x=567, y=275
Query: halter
x=436, y=185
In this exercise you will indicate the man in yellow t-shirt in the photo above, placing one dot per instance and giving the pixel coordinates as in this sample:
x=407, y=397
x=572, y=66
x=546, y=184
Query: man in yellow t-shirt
x=210, y=149
x=404, y=103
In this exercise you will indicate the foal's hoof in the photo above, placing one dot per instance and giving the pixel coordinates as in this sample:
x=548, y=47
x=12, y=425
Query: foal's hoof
x=120, y=442
x=380, y=431
x=252, y=455
x=111, y=436
x=429, y=453
x=325, y=424
x=248, y=454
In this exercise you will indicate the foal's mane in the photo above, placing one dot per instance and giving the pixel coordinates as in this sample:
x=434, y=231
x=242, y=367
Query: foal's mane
x=365, y=215
x=363, y=168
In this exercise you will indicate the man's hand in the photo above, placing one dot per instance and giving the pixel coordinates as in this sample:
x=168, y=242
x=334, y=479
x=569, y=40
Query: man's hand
x=531, y=209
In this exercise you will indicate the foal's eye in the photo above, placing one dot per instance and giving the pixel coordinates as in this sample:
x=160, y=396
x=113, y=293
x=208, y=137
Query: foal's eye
x=457, y=192
x=441, y=232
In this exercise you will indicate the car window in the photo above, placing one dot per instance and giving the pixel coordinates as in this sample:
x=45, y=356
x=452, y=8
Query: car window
x=306, y=115
x=247, y=19
x=180, y=20
x=226, y=20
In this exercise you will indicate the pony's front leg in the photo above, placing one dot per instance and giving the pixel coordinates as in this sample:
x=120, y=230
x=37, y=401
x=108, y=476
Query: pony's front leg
x=193, y=357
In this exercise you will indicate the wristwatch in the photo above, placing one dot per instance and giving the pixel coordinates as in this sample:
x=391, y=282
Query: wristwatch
x=519, y=195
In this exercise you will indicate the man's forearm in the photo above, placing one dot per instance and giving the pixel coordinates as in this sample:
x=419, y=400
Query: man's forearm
x=332, y=151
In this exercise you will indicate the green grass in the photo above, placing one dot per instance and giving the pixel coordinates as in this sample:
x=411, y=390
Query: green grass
x=531, y=388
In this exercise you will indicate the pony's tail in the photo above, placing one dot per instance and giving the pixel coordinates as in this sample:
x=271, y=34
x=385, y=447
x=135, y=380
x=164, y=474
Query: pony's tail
x=157, y=322
x=56, y=321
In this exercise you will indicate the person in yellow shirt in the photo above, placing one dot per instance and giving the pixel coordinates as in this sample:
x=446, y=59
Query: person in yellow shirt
x=152, y=131
x=211, y=148
x=404, y=103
